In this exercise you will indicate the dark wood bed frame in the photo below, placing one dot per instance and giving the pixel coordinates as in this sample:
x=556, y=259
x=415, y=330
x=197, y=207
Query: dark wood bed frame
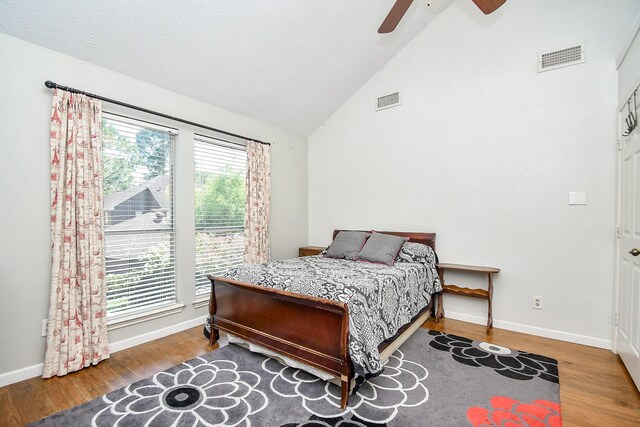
x=308, y=329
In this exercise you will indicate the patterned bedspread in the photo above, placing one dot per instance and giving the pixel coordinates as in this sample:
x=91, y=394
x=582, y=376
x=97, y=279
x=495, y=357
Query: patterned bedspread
x=381, y=298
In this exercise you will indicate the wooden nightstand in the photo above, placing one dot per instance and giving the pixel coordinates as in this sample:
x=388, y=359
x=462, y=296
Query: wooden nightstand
x=310, y=250
x=468, y=292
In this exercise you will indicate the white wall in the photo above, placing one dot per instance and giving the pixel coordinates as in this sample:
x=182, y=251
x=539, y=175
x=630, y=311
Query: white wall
x=483, y=151
x=628, y=67
x=24, y=187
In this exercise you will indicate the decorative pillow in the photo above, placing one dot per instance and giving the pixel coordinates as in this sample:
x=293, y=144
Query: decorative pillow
x=416, y=252
x=381, y=248
x=347, y=244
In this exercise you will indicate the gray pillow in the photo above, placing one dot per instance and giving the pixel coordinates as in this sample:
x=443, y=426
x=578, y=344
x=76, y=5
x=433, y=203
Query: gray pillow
x=415, y=252
x=347, y=244
x=381, y=248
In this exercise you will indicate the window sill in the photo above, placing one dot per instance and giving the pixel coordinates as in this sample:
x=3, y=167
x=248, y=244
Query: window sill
x=201, y=301
x=118, y=322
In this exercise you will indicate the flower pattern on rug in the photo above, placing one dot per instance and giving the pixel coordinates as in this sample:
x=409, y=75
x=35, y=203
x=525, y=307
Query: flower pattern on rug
x=254, y=390
x=377, y=400
x=315, y=421
x=198, y=393
x=514, y=364
x=509, y=412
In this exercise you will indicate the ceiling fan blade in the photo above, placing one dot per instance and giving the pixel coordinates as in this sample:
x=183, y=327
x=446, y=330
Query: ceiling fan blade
x=489, y=6
x=395, y=15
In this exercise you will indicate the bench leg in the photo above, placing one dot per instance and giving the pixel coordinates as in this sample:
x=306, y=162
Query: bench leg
x=489, y=317
x=489, y=308
x=440, y=312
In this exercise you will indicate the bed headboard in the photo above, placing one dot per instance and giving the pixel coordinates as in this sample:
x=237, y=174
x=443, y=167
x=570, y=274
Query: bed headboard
x=428, y=239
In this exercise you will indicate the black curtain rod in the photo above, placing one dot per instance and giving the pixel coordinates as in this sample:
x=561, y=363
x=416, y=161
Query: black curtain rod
x=52, y=85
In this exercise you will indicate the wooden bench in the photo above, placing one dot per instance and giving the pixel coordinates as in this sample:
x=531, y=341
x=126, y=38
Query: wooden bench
x=467, y=292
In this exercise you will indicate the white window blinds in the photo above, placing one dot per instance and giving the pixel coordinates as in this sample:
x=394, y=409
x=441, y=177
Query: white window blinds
x=138, y=205
x=220, y=170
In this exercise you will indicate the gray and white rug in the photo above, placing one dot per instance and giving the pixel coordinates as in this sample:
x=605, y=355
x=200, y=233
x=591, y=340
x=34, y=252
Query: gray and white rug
x=434, y=379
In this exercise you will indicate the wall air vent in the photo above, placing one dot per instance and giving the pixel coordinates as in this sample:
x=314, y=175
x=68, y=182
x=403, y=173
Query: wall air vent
x=563, y=57
x=388, y=101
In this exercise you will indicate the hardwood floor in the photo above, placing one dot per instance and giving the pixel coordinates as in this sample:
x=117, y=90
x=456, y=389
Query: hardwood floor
x=595, y=388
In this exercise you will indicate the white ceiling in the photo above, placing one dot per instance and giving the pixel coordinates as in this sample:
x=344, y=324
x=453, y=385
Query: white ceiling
x=290, y=63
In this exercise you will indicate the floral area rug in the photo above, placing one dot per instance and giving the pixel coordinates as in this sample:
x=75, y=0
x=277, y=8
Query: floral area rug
x=434, y=379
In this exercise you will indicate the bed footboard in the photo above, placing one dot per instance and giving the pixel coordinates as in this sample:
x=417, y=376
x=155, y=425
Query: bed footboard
x=309, y=329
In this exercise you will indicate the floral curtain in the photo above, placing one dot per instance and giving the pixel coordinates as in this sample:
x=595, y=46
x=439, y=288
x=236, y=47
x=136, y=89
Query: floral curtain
x=257, y=245
x=77, y=333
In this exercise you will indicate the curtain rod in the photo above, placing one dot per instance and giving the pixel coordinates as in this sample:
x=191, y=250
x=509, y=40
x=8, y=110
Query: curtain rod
x=52, y=85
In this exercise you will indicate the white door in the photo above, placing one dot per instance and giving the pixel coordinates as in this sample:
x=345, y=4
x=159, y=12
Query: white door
x=628, y=331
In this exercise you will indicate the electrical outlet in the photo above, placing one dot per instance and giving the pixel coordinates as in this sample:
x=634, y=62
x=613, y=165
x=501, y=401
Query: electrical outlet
x=43, y=328
x=537, y=302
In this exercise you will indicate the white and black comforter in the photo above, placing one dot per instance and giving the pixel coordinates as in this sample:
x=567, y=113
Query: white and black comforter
x=381, y=298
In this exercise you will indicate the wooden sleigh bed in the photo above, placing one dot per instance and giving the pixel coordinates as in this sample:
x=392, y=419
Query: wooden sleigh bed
x=308, y=329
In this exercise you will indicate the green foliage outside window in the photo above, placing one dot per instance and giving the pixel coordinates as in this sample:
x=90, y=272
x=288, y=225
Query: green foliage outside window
x=143, y=276
x=153, y=149
x=220, y=201
x=119, y=160
x=122, y=159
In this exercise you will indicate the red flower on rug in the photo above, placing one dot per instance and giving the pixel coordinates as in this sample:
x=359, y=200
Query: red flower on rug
x=507, y=412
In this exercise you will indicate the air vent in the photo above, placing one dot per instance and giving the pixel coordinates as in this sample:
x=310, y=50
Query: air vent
x=564, y=57
x=388, y=101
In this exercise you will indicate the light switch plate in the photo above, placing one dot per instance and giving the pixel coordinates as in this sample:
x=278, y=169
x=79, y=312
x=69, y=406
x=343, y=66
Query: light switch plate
x=578, y=198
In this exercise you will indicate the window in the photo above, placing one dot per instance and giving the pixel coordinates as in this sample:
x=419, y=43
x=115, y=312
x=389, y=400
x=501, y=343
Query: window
x=220, y=170
x=138, y=204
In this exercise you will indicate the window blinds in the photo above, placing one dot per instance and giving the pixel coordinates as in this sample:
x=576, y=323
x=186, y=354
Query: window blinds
x=220, y=170
x=138, y=207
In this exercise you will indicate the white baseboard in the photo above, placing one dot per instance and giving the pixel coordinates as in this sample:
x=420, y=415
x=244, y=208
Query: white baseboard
x=154, y=335
x=534, y=330
x=21, y=374
x=36, y=370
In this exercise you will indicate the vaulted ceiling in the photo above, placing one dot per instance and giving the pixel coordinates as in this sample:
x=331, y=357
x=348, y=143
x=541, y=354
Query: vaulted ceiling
x=290, y=63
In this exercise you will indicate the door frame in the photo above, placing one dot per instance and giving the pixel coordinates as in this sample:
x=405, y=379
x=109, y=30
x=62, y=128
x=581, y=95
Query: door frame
x=616, y=284
x=616, y=242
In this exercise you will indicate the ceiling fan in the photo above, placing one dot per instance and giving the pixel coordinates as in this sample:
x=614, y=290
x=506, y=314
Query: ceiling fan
x=400, y=8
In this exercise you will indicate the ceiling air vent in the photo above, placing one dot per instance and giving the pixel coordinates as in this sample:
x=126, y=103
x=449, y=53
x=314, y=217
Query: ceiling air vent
x=388, y=101
x=564, y=57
